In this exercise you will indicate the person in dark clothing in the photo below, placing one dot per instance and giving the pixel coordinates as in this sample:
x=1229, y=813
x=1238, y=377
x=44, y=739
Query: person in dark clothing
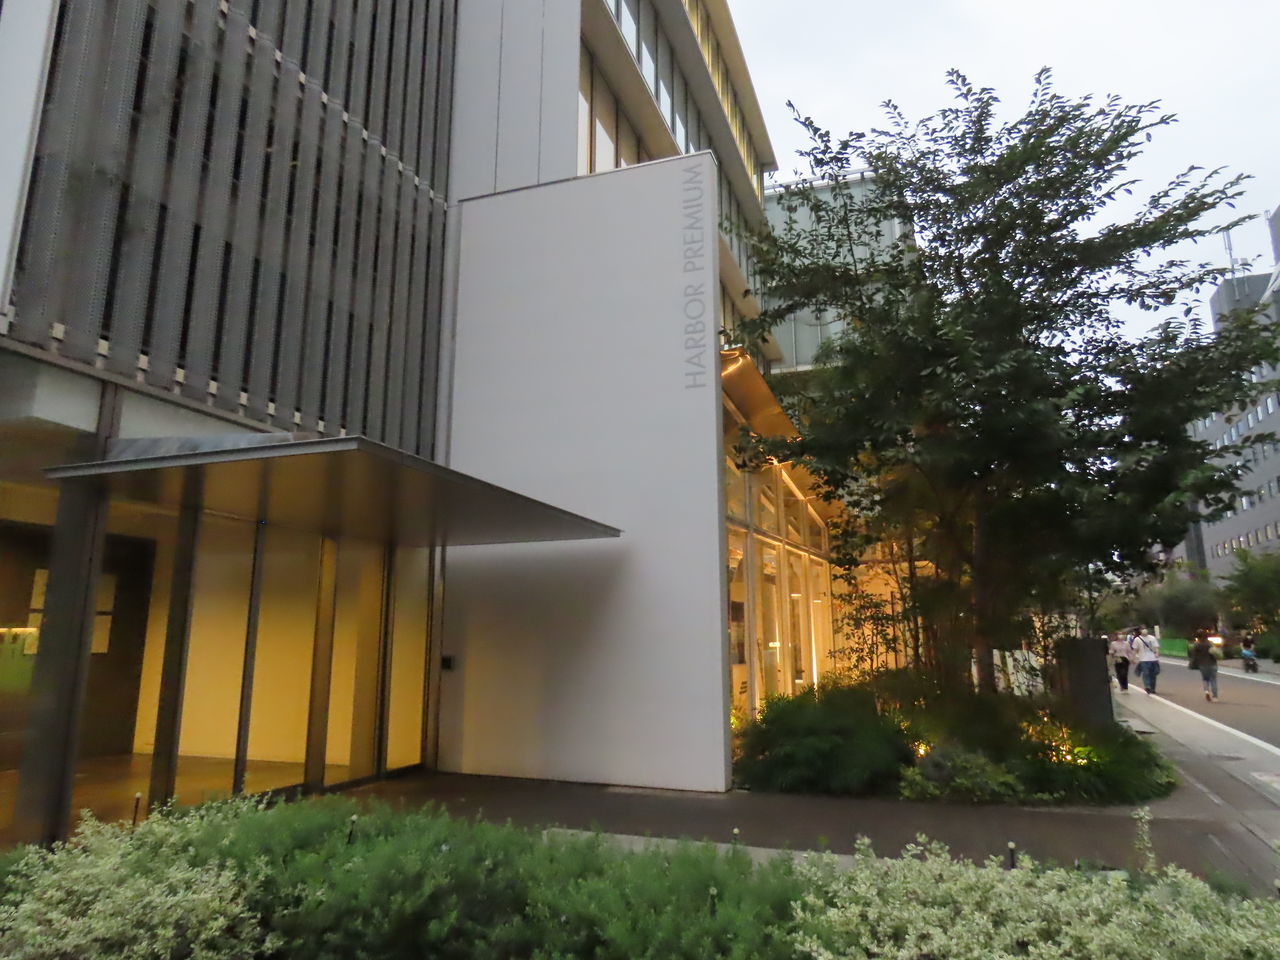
x=1205, y=660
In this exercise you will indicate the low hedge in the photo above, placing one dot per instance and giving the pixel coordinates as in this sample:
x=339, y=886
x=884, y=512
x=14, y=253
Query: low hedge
x=240, y=881
x=896, y=734
x=328, y=880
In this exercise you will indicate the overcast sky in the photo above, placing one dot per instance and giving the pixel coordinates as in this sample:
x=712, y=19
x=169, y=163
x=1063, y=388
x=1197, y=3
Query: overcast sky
x=1215, y=64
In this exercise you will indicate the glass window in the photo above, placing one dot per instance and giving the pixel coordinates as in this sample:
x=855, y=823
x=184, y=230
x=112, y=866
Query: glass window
x=739, y=683
x=666, y=77
x=817, y=541
x=351, y=742
x=649, y=44
x=282, y=672
x=820, y=607
x=629, y=23
x=406, y=707
x=766, y=502
x=679, y=113
x=605, y=128
x=735, y=493
x=799, y=621
x=769, y=652
x=628, y=144
x=215, y=660
x=584, y=113
x=27, y=515
x=797, y=513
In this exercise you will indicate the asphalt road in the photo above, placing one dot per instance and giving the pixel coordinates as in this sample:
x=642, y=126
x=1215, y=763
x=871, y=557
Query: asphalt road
x=1251, y=706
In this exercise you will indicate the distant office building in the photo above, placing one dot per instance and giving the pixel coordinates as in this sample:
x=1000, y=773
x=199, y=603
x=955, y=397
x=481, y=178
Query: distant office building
x=363, y=406
x=1254, y=522
x=798, y=339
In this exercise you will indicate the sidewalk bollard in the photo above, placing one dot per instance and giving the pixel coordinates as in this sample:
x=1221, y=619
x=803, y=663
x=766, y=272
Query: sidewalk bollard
x=1013, y=855
x=137, y=806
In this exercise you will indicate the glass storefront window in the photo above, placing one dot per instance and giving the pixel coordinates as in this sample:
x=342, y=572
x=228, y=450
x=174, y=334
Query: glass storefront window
x=817, y=529
x=766, y=517
x=800, y=651
x=26, y=532
x=282, y=672
x=770, y=679
x=406, y=707
x=351, y=742
x=820, y=606
x=796, y=512
x=740, y=686
x=735, y=489
x=215, y=660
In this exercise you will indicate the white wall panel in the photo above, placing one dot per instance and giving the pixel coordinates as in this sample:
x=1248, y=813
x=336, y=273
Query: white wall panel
x=586, y=372
x=515, y=88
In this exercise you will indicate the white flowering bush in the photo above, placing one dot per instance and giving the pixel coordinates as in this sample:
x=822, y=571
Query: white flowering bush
x=926, y=905
x=113, y=893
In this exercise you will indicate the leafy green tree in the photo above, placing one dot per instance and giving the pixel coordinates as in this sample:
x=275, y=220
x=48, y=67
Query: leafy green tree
x=1252, y=590
x=982, y=393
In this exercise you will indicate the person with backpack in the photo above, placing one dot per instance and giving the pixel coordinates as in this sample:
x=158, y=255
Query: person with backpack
x=1147, y=649
x=1205, y=659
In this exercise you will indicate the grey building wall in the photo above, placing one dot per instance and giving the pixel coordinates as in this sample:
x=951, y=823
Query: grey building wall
x=244, y=205
x=1254, y=524
x=802, y=335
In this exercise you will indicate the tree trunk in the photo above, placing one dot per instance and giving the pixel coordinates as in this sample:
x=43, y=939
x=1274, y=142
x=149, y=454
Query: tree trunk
x=983, y=603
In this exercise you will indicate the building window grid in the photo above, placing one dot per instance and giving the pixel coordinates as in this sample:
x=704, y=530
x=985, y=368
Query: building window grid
x=638, y=21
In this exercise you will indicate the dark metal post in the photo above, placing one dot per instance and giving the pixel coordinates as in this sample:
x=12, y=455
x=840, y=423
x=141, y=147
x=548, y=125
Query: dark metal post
x=322, y=665
x=49, y=754
x=173, y=672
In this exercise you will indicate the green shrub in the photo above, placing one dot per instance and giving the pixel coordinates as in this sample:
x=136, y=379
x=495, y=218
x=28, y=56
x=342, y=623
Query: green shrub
x=828, y=739
x=955, y=774
x=1109, y=765
x=239, y=880
x=927, y=904
x=113, y=894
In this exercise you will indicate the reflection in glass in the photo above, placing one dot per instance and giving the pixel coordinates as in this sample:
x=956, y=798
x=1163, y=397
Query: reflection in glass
x=740, y=687
x=406, y=707
x=117, y=725
x=26, y=532
x=769, y=652
x=282, y=671
x=800, y=659
x=351, y=745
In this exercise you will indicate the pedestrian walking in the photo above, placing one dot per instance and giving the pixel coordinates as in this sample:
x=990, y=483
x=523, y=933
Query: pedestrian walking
x=1121, y=654
x=1205, y=659
x=1147, y=649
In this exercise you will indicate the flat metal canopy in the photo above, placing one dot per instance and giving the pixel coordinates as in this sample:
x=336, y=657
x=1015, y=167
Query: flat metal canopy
x=346, y=486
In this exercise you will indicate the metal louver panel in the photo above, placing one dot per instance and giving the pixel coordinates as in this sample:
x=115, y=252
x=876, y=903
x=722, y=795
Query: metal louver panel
x=300, y=252
x=103, y=173
x=52, y=220
x=142, y=218
x=184, y=188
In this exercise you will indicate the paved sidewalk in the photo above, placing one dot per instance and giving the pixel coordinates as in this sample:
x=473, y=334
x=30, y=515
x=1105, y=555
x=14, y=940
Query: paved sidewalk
x=1189, y=828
